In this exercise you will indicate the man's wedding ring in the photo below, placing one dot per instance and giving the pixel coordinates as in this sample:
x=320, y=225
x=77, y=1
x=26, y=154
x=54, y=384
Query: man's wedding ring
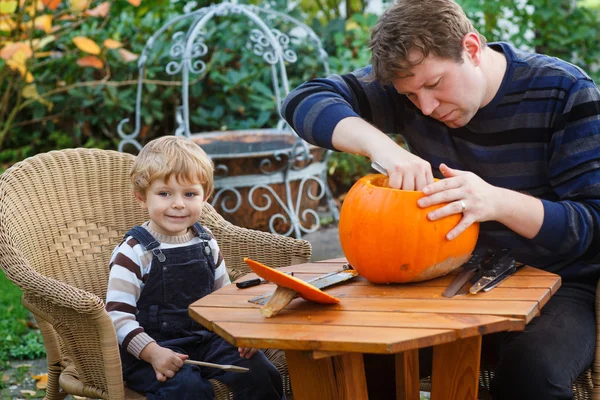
x=463, y=206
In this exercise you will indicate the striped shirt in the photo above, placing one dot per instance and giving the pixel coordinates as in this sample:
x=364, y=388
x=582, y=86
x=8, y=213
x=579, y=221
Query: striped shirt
x=130, y=265
x=539, y=135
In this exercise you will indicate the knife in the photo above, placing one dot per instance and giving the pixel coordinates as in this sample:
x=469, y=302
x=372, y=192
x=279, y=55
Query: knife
x=254, y=282
x=470, y=268
x=379, y=168
x=497, y=266
x=320, y=282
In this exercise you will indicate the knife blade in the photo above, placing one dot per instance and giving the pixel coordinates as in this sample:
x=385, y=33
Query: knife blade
x=499, y=279
x=469, y=269
x=497, y=266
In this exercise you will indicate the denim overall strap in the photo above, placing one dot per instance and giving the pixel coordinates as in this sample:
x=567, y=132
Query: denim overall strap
x=201, y=232
x=205, y=237
x=140, y=234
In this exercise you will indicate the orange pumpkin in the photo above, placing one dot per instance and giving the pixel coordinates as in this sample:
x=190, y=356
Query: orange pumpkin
x=387, y=237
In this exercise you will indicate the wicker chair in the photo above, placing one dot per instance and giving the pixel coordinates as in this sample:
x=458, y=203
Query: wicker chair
x=61, y=214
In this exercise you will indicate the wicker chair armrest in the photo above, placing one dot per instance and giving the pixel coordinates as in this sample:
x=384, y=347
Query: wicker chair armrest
x=18, y=269
x=273, y=250
x=236, y=243
x=89, y=339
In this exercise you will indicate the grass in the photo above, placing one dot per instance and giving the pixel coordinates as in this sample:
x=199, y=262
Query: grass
x=18, y=335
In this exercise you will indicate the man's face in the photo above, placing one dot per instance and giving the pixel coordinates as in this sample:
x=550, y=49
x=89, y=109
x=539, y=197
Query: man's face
x=444, y=89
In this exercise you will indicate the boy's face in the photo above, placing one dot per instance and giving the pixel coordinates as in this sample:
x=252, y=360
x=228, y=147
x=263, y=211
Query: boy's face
x=173, y=206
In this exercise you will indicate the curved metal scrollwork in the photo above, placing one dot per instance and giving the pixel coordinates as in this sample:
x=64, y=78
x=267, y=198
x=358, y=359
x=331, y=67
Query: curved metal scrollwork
x=262, y=46
x=227, y=199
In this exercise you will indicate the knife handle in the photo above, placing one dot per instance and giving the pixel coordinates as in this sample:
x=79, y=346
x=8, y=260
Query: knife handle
x=248, y=283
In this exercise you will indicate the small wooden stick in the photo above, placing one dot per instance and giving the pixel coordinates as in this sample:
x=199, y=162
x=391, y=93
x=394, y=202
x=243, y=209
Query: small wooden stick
x=278, y=301
x=233, y=368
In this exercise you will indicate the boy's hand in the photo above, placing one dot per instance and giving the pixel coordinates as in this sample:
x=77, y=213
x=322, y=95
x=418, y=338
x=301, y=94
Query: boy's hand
x=247, y=352
x=165, y=361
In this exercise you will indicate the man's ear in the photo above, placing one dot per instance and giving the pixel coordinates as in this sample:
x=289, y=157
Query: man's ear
x=472, y=47
x=141, y=199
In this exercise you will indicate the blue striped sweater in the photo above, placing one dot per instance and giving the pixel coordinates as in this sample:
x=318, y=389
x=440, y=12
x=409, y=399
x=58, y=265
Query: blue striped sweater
x=539, y=135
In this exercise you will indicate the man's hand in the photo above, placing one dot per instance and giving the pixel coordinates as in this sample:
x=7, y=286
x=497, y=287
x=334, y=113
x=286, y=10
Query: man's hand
x=247, y=352
x=405, y=170
x=165, y=361
x=461, y=187
x=482, y=202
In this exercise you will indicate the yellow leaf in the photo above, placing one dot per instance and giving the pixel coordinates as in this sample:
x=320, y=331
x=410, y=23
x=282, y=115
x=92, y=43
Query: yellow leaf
x=42, y=54
x=112, y=44
x=8, y=6
x=135, y=3
x=351, y=25
x=128, y=56
x=52, y=4
x=43, y=22
x=78, y=6
x=10, y=50
x=42, y=381
x=86, y=45
x=41, y=43
x=90, y=61
x=101, y=10
x=7, y=24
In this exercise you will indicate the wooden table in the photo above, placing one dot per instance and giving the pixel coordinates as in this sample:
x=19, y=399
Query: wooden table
x=324, y=343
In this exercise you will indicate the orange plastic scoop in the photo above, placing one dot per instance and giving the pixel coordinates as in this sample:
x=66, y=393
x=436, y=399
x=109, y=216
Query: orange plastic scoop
x=304, y=290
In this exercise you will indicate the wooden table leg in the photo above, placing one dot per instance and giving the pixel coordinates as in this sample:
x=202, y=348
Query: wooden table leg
x=455, y=373
x=407, y=375
x=335, y=378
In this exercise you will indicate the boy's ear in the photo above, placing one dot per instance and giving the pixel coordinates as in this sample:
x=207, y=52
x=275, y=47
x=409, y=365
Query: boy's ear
x=141, y=199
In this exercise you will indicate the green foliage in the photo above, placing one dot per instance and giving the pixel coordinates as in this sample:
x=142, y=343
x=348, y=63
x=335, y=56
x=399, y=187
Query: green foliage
x=236, y=92
x=559, y=28
x=18, y=340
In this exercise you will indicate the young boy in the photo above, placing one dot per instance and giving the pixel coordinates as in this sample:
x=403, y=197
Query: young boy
x=163, y=266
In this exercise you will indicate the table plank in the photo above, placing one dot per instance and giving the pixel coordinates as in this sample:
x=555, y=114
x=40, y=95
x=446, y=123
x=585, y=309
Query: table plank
x=464, y=325
x=406, y=292
x=332, y=337
x=525, y=310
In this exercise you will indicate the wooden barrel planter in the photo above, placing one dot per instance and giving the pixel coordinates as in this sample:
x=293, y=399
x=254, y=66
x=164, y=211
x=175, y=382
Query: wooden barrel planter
x=267, y=180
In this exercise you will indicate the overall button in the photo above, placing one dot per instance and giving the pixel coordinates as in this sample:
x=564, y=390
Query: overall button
x=207, y=250
x=165, y=269
x=164, y=324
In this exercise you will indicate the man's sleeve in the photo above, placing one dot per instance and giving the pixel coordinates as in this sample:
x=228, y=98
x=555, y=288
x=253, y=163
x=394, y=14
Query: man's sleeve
x=571, y=225
x=315, y=108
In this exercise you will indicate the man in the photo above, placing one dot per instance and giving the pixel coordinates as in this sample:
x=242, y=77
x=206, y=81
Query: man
x=517, y=137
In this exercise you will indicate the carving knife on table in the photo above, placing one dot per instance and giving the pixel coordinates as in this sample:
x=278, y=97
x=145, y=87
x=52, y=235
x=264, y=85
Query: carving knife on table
x=320, y=282
x=469, y=269
x=494, y=269
x=254, y=282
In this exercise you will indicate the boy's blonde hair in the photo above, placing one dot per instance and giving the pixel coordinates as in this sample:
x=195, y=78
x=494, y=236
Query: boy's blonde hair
x=172, y=156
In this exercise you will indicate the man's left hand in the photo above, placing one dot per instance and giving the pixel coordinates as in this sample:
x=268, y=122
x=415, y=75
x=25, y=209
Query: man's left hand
x=465, y=193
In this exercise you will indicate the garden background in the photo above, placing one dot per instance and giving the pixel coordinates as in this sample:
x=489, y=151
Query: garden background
x=68, y=75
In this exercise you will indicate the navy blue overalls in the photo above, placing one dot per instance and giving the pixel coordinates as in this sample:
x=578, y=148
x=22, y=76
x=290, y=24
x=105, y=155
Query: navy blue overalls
x=178, y=277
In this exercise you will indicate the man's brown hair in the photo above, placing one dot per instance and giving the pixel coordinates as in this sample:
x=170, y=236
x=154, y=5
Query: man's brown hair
x=431, y=27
